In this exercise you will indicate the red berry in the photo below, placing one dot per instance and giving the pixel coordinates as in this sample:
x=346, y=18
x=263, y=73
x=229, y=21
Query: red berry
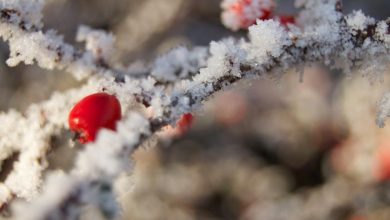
x=240, y=14
x=184, y=123
x=286, y=19
x=382, y=169
x=96, y=111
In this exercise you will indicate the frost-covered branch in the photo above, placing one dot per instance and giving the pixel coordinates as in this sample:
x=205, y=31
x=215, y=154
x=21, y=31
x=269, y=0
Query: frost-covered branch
x=90, y=181
x=30, y=44
x=31, y=141
x=174, y=84
x=352, y=42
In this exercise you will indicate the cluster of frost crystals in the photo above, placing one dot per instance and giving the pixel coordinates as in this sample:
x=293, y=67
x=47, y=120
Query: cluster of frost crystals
x=219, y=63
x=179, y=63
x=131, y=89
x=268, y=39
x=321, y=26
x=37, y=47
x=56, y=187
x=345, y=42
x=367, y=58
x=382, y=32
x=357, y=21
x=49, y=51
x=99, y=43
x=25, y=47
x=188, y=94
x=108, y=157
x=241, y=13
x=27, y=11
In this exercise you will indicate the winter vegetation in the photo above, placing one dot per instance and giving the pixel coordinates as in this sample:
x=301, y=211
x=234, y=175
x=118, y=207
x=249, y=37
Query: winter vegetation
x=156, y=95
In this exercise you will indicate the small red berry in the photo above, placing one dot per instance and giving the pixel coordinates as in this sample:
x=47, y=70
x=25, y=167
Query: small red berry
x=96, y=111
x=184, y=123
x=240, y=14
x=286, y=19
x=382, y=169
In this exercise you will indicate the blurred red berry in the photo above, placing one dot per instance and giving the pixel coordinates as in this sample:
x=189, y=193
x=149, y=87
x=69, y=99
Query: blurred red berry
x=241, y=14
x=286, y=19
x=96, y=111
x=184, y=123
x=382, y=172
x=245, y=21
x=357, y=217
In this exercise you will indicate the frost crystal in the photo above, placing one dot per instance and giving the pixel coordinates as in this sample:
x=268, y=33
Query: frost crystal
x=179, y=63
x=100, y=43
x=357, y=21
x=24, y=10
x=267, y=38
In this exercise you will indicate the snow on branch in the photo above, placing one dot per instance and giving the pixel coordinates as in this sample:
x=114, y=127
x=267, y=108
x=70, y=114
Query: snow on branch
x=174, y=84
x=90, y=181
x=30, y=44
x=31, y=141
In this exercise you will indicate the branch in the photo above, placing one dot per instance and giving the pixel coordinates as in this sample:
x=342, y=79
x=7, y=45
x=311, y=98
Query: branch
x=30, y=44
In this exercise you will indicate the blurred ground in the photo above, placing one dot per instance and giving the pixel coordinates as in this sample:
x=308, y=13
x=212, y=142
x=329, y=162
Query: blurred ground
x=280, y=150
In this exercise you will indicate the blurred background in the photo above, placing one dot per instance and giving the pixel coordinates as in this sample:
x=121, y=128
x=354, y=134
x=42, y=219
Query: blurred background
x=263, y=150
